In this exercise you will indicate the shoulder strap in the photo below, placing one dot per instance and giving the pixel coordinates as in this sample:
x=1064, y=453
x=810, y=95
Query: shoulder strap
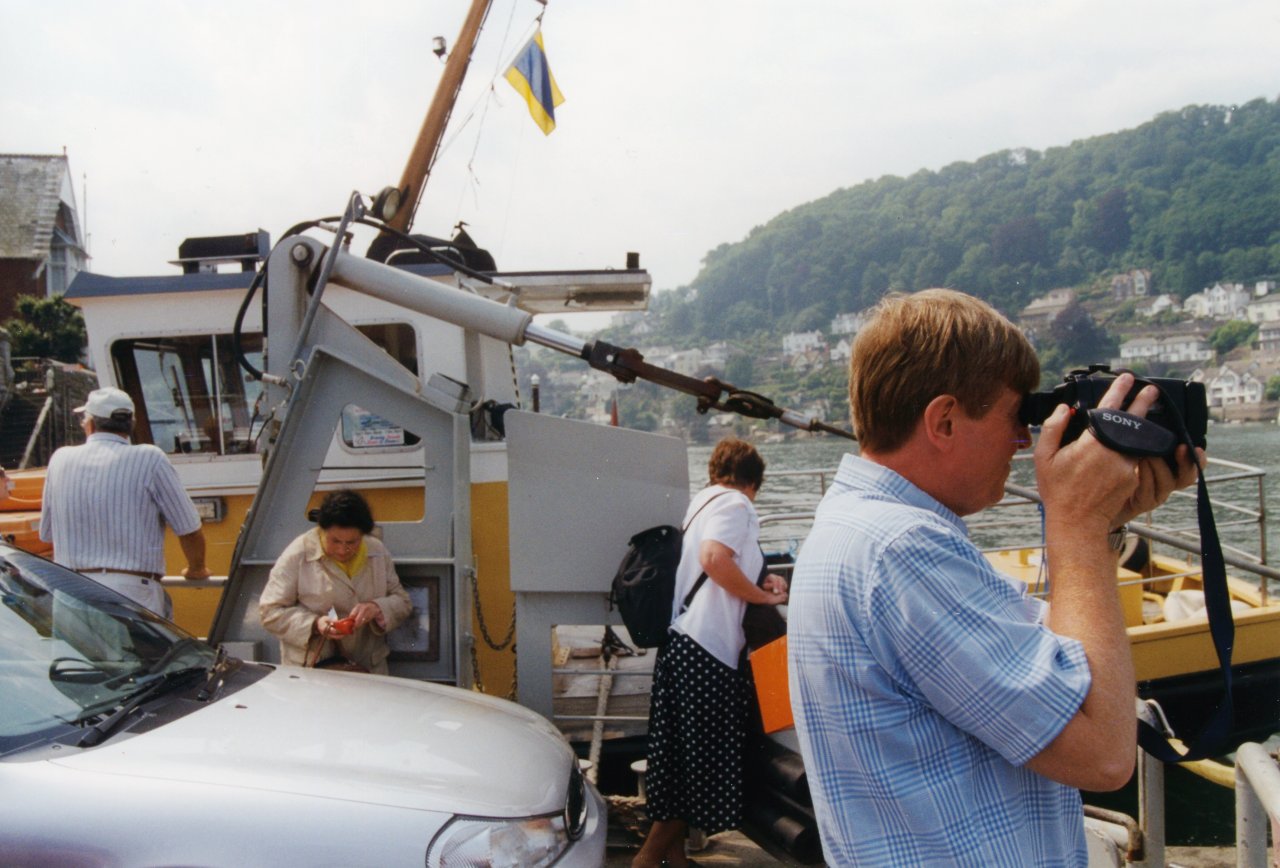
x=702, y=577
x=700, y=509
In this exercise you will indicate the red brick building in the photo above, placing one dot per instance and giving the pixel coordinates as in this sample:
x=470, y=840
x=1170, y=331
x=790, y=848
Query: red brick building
x=42, y=244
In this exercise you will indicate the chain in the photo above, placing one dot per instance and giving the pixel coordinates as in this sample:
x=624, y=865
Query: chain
x=507, y=642
x=477, y=683
x=484, y=628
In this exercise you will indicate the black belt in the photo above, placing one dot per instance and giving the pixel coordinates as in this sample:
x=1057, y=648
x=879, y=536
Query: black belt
x=138, y=573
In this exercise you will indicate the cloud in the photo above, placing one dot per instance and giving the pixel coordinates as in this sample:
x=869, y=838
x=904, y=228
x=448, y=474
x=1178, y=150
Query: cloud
x=685, y=125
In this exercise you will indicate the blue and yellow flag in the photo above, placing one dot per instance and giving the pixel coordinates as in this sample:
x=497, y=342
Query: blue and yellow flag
x=530, y=74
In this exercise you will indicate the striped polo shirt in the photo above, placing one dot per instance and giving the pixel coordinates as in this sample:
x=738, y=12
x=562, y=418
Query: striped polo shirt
x=106, y=504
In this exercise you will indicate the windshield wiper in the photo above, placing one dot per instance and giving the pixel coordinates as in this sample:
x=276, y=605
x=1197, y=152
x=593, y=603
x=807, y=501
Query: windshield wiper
x=217, y=674
x=149, y=687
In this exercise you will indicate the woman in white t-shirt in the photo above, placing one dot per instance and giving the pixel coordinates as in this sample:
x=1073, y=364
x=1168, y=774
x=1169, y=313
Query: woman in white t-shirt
x=699, y=703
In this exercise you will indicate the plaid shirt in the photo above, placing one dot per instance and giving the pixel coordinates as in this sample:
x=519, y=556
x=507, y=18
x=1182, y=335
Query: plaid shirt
x=922, y=681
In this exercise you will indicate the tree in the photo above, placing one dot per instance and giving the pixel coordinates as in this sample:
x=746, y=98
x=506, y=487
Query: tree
x=1273, y=388
x=1020, y=240
x=740, y=370
x=47, y=328
x=1076, y=340
x=1109, y=223
x=1232, y=334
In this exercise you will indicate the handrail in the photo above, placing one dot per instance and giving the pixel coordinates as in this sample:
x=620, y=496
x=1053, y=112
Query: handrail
x=1218, y=471
x=1257, y=802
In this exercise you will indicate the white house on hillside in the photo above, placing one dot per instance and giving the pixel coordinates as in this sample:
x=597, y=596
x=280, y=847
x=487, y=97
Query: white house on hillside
x=1229, y=386
x=1221, y=301
x=801, y=342
x=1131, y=284
x=687, y=362
x=1042, y=311
x=1158, y=304
x=1171, y=349
x=1139, y=350
x=1264, y=309
x=1185, y=348
x=808, y=360
x=848, y=323
x=842, y=351
x=716, y=355
x=1269, y=337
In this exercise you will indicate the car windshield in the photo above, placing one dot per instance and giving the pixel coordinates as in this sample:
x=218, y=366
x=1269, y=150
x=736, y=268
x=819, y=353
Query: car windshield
x=72, y=649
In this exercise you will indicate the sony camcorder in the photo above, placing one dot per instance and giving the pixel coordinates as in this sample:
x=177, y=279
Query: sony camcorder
x=1180, y=413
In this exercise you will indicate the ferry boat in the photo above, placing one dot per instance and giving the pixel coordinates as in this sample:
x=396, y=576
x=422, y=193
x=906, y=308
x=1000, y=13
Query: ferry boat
x=396, y=378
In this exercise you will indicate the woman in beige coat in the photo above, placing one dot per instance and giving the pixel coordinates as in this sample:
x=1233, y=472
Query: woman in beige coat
x=334, y=591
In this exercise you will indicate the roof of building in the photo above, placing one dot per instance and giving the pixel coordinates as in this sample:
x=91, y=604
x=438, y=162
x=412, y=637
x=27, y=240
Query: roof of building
x=90, y=285
x=30, y=192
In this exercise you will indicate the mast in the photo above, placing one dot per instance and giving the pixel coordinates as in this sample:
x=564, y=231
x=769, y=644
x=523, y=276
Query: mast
x=423, y=155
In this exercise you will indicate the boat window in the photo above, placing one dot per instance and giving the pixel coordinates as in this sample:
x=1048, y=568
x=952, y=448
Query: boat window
x=191, y=394
x=397, y=338
x=364, y=430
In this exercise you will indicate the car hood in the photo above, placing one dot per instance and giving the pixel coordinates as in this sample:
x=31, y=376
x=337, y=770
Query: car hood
x=363, y=738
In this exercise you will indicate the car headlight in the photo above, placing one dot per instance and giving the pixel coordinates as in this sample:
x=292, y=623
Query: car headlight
x=476, y=842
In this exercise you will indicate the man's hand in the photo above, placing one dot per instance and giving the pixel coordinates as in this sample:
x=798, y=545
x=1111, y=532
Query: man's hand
x=193, y=547
x=1095, y=484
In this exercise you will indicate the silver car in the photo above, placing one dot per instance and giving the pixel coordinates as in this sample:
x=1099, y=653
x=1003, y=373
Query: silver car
x=124, y=741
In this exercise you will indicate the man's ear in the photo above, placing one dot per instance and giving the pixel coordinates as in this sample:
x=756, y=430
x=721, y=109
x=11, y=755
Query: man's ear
x=939, y=422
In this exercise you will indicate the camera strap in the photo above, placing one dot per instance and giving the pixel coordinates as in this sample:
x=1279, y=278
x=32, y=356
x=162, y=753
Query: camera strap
x=1130, y=434
x=1213, y=735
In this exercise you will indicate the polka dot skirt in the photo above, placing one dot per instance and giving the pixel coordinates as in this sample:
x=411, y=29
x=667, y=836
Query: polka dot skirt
x=697, y=730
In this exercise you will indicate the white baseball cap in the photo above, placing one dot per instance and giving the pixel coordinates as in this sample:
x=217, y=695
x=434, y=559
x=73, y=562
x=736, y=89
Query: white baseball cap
x=105, y=403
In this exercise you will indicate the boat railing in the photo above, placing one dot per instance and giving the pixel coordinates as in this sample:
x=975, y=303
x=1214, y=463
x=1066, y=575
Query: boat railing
x=1256, y=781
x=1255, y=778
x=787, y=506
x=1257, y=803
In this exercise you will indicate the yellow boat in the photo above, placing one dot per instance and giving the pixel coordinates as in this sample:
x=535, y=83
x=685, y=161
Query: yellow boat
x=1173, y=654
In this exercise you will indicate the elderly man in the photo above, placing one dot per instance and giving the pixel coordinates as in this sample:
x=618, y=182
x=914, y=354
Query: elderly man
x=106, y=504
x=946, y=717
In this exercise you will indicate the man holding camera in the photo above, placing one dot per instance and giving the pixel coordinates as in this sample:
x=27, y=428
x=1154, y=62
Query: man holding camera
x=946, y=717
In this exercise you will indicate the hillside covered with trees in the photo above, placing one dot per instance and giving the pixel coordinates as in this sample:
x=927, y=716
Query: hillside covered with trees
x=1190, y=199
x=1193, y=195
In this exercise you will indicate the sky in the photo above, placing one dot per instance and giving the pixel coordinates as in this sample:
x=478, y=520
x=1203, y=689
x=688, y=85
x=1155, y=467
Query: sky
x=686, y=124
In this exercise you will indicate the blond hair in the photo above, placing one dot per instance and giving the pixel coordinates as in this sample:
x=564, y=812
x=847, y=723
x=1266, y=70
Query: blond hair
x=930, y=343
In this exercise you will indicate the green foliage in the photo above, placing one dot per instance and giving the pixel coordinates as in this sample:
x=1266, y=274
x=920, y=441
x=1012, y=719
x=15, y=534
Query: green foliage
x=740, y=370
x=1082, y=338
x=1194, y=195
x=1232, y=334
x=1273, y=389
x=48, y=328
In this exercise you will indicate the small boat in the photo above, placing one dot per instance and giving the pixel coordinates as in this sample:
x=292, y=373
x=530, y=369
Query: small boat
x=1173, y=653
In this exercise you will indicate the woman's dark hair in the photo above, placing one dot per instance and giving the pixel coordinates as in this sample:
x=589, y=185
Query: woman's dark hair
x=344, y=508
x=736, y=462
